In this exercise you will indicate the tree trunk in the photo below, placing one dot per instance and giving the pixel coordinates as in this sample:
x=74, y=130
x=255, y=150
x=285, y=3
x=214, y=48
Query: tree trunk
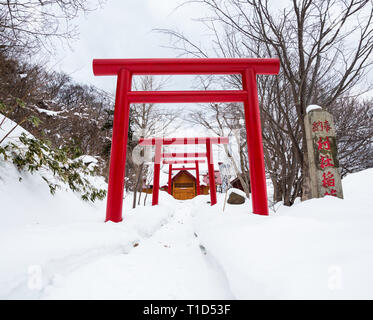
x=138, y=180
x=138, y=202
x=146, y=195
x=306, y=182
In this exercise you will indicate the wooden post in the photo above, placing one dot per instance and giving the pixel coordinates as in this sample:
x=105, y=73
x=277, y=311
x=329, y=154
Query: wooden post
x=322, y=153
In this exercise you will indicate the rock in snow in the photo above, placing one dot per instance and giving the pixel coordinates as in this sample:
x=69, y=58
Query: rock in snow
x=235, y=198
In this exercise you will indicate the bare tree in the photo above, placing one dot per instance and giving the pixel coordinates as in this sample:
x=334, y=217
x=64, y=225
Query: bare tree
x=69, y=114
x=324, y=47
x=149, y=119
x=219, y=120
x=354, y=128
x=34, y=24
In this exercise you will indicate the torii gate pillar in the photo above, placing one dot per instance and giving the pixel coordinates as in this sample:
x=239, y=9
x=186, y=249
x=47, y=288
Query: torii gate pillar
x=255, y=144
x=210, y=167
x=157, y=171
x=169, y=179
x=118, y=148
x=197, y=176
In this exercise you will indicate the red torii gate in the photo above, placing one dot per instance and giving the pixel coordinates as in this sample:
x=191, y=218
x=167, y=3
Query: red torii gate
x=126, y=68
x=159, y=142
x=185, y=155
x=170, y=169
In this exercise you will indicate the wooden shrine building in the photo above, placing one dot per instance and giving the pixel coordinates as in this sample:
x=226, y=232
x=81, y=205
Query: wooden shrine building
x=184, y=185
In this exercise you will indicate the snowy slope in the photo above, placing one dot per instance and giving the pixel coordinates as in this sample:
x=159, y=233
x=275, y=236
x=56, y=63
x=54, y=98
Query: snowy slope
x=58, y=233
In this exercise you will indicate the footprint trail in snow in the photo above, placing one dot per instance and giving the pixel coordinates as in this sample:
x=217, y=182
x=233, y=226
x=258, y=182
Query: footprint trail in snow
x=168, y=265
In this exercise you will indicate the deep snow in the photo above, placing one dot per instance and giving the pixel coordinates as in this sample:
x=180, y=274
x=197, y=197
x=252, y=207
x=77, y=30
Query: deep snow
x=60, y=233
x=58, y=247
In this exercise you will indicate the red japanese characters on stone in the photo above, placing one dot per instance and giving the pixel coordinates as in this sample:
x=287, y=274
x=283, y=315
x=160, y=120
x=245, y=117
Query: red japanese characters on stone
x=323, y=143
x=326, y=126
x=317, y=126
x=325, y=161
x=332, y=193
x=321, y=126
x=328, y=180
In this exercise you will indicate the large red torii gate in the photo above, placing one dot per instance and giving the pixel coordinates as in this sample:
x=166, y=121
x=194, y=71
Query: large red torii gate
x=126, y=68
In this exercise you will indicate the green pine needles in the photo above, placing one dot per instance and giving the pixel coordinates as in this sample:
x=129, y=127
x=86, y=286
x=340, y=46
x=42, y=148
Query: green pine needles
x=35, y=155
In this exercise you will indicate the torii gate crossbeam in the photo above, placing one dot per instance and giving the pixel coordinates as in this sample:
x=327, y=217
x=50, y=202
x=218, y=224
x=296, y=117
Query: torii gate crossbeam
x=124, y=69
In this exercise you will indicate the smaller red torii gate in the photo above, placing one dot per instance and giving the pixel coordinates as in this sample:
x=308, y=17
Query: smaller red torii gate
x=159, y=142
x=170, y=169
x=185, y=155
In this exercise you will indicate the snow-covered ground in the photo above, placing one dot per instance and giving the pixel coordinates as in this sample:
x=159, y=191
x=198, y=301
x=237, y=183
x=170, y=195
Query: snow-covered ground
x=58, y=247
x=167, y=265
x=59, y=233
x=318, y=249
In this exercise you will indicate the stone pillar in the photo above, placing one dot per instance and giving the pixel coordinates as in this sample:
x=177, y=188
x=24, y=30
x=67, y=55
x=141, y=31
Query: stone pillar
x=322, y=153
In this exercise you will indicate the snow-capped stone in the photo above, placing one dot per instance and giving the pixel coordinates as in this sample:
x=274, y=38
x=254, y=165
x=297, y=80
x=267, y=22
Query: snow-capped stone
x=312, y=107
x=235, y=198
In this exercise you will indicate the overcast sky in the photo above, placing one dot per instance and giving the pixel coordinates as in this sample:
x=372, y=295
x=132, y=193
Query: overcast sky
x=124, y=29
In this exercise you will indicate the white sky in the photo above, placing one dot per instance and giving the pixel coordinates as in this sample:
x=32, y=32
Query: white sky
x=123, y=29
